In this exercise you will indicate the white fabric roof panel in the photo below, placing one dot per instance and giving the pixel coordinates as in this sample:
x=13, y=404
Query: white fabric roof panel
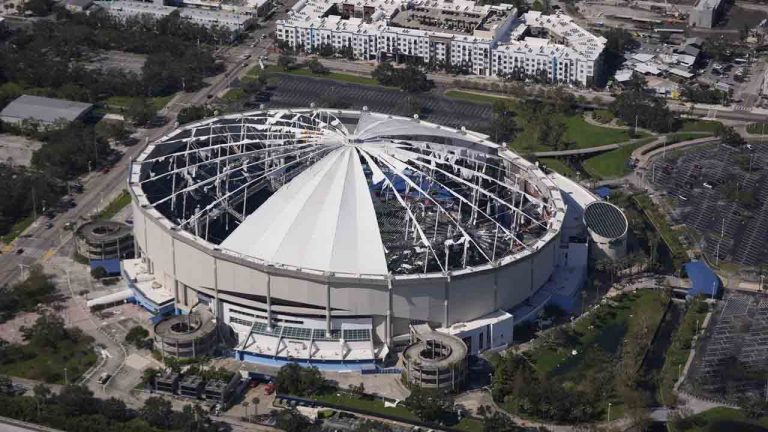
x=323, y=219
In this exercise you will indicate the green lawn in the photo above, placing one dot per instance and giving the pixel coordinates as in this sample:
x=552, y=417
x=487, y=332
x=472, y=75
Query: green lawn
x=719, y=420
x=48, y=364
x=603, y=116
x=353, y=402
x=234, y=95
x=578, y=132
x=585, y=135
x=686, y=136
x=614, y=163
x=558, y=166
x=758, y=128
x=303, y=71
x=690, y=125
x=18, y=228
x=372, y=405
x=475, y=97
x=600, y=336
x=657, y=219
x=114, y=207
x=470, y=425
x=677, y=354
x=123, y=102
x=606, y=329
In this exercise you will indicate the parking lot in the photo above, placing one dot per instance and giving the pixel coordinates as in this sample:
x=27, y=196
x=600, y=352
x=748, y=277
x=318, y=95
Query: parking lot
x=733, y=350
x=17, y=150
x=123, y=61
x=701, y=188
x=298, y=91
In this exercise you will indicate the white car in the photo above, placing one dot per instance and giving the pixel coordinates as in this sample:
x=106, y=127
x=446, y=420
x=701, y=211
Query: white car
x=708, y=185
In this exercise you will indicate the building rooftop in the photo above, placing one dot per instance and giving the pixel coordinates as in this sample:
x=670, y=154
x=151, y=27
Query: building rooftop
x=462, y=20
x=44, y=110
x=605, y=219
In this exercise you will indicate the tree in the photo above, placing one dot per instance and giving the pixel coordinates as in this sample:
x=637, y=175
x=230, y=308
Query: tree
x=428, y=405
x=299, y=381
x=286, y=62
x=503, y=125
x=157, y=412
x=316, y=67
x=255, y=401
x=194, y=113
x=149, y=375
x=245, y=405
x=384, y=73
x=636, y=105
x=413, y=79
x=114, y=409
x=140, y=111
x=77, y=400
x=99, y=272
x=499, y=422
x=137, y=336
x=290, y=420
x=729, y=135
x=358, y=390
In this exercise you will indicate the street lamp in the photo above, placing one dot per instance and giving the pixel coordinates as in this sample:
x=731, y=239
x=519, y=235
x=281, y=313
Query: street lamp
x=609, y=411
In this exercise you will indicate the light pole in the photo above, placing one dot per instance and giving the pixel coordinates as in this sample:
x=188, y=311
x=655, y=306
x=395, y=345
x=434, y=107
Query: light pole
x=609, y=411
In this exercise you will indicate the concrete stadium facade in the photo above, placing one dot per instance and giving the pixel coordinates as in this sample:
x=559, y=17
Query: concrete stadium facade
x=283, y=311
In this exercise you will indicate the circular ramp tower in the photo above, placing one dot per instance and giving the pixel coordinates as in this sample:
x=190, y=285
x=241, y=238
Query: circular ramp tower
x=436, y=361
x=607, y=226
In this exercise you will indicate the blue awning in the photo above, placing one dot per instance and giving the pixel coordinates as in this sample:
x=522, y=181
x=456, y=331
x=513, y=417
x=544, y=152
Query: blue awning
x=704, y=281
x=603, y=192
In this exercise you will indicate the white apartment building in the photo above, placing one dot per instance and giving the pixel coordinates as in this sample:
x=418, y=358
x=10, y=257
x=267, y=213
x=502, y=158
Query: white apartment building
x=488, y=40
x=122, y=9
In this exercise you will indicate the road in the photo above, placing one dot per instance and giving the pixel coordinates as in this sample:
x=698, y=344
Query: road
x=38, y=244
x=714, y=112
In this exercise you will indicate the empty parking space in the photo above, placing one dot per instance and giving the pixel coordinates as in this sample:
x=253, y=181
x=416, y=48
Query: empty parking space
x=298, y=91
x=721, y=193
x=734, y=350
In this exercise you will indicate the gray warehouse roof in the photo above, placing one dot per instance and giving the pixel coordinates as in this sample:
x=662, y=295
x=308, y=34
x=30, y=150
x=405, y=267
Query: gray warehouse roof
x=43, y=109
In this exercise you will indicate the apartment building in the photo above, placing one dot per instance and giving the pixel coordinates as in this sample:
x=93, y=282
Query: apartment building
x=489, y=40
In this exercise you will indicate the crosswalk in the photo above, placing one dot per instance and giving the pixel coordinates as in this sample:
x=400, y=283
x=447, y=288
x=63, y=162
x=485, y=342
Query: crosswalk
x=742, y=108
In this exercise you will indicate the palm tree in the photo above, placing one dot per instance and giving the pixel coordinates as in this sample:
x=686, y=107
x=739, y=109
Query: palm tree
x=245, y=405
x=255, y=401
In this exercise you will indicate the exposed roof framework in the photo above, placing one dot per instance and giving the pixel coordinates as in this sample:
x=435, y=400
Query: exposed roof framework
x=362, y=194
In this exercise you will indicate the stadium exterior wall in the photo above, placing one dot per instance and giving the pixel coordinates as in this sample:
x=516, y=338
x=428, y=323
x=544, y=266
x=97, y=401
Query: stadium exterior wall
x=189, y=265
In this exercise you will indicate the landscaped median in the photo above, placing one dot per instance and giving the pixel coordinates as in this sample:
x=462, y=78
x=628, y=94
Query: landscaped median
x=659, y=222
x=679, y=350
x=374, y=407
x=613, y=163
x=303, y=71
x=586, y=371
x=717, y=420
x=122, y=200
x=578, y=133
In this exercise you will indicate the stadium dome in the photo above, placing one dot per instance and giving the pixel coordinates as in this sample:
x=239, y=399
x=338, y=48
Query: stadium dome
x=351, y=211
